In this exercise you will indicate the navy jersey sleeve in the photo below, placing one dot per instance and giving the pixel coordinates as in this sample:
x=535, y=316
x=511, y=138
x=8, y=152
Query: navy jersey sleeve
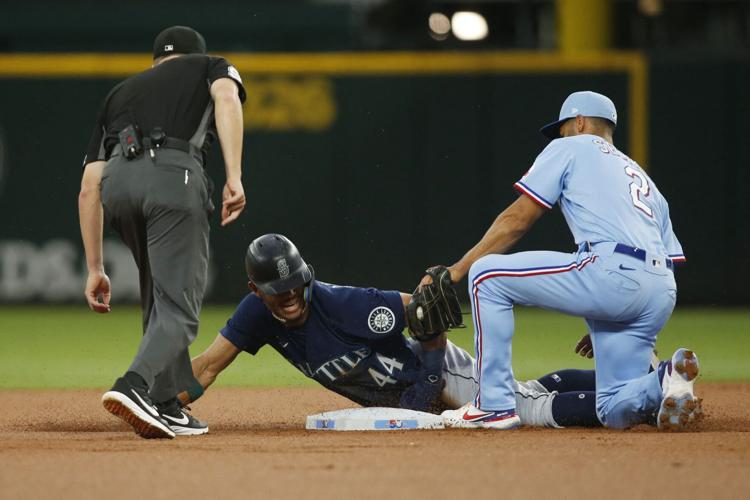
x=368, y=312
x=218, y=67
x=247, y=326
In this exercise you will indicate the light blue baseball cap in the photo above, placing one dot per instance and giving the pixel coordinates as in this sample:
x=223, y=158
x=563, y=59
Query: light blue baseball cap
x=585, y=103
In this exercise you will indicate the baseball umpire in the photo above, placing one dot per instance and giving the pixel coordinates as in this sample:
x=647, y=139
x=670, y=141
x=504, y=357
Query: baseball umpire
x=350, y=341
x=621, y=278
x=144, y=173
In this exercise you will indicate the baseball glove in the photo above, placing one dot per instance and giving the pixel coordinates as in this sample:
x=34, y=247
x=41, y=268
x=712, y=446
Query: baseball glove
x=434, y=308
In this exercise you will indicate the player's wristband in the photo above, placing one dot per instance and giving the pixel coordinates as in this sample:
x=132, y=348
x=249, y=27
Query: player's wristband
x=195, y=391
x=432, y=365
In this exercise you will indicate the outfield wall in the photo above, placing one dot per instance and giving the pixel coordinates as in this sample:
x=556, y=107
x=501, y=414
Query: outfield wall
x=380, y=164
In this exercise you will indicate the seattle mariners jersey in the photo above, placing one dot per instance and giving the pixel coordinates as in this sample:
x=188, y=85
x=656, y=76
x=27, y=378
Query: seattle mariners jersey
x=351, y=343
x=603, y=194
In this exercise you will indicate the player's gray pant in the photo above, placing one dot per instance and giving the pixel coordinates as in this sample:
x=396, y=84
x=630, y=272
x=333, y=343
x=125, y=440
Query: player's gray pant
x=533, y=401
x=160, y=209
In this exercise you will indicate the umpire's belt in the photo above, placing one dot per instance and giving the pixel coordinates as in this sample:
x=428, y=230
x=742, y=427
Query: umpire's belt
x=636, y=253
x=169, y=143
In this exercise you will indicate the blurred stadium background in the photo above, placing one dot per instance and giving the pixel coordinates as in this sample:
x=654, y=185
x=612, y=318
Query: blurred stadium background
x=359, y=112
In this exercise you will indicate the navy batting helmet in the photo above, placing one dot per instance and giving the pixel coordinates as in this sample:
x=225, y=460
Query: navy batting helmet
x=274, y=265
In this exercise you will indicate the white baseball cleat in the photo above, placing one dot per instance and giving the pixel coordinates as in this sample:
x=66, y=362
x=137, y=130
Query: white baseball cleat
x=679, y=406
x=471, y=417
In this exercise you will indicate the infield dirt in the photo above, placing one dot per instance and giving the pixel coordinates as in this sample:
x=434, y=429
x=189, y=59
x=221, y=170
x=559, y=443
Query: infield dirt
x=64, y=445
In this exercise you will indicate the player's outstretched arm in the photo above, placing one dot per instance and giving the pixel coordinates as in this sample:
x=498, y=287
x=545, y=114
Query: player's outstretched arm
x=211, y=362
x=91, y=215
x=504, y=232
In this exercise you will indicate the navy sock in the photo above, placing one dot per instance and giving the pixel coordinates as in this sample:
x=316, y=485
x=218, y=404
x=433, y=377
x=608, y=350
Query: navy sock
x=569, y=380
x=575, y=409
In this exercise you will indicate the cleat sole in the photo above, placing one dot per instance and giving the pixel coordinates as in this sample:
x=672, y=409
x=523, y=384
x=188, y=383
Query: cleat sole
x=680, y=408
x=678, y=413
x=688, y=365
x=188, y=431
x=697, y=414
x=142, y=427
x=508, y=424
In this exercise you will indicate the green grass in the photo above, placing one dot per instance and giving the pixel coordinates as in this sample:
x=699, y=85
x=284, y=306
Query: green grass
x=70, y=347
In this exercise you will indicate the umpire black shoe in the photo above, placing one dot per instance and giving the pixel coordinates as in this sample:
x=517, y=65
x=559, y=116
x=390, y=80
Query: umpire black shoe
x=133, y=405
x=179, y=420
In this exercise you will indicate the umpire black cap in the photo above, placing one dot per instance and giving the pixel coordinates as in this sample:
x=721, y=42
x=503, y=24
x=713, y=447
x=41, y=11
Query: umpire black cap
x=274, y=265
x=179, y=40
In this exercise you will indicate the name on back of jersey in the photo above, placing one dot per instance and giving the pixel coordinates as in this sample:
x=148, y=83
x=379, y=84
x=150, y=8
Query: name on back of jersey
x=342, y=365
x=382, y=370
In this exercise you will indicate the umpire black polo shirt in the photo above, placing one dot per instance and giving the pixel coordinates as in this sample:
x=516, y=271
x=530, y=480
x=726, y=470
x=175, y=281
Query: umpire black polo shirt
x=174, y=95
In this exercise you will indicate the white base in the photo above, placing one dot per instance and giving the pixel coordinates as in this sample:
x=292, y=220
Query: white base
x=373, y=419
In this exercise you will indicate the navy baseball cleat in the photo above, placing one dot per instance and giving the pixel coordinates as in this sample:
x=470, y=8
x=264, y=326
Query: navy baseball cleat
x=133, y=405
x=679, y=406
x=180, y=421
x=471, y=417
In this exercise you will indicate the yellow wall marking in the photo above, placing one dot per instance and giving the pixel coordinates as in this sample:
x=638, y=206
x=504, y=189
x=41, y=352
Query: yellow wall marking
x=281, y=103
x=100, y=65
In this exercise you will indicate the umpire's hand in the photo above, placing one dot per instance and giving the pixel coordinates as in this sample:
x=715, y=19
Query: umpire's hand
x=233, y=201
x=98, y=287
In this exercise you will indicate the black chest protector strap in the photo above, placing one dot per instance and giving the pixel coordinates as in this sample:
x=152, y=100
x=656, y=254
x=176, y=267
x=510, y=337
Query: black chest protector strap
x=199, y=137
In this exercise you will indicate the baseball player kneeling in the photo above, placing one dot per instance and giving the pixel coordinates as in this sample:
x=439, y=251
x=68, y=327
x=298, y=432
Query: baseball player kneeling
x=350, y=341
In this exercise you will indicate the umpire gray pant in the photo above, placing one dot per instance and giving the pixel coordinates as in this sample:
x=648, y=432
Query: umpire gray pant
x=160, y=209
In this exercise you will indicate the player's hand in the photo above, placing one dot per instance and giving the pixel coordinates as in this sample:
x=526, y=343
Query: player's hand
x=427, y=279
x=585, y=347
x=98, y=292
x=233, y=201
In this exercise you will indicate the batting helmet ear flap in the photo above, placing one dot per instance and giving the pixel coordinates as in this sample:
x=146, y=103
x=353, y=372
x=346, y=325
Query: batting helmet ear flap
x=308, y=288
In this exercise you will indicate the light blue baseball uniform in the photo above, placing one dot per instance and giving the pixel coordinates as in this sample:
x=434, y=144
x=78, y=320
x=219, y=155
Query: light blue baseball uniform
x=607, y=199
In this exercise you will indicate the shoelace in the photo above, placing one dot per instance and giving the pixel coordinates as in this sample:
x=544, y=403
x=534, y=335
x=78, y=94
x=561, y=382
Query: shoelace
x=174, y=409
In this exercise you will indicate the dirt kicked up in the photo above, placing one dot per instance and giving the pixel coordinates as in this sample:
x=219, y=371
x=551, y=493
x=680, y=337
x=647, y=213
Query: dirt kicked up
x=64, y=445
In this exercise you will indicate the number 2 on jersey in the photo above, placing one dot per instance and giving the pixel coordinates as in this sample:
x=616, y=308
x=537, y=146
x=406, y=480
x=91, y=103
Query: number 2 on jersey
x=637, y=188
